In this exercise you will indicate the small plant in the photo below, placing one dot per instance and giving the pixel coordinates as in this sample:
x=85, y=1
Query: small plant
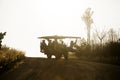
x=1, y=37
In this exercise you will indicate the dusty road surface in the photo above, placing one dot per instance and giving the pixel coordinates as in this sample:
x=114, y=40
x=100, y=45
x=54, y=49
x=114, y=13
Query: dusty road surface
x=44, y=69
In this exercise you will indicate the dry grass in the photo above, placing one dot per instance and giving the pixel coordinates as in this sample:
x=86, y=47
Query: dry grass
x=9, y=56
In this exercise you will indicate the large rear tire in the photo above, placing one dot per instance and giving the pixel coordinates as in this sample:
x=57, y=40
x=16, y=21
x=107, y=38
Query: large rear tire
x=65, y=56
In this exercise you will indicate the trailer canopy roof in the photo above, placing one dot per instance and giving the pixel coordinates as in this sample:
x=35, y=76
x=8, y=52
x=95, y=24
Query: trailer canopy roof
x=58, y=37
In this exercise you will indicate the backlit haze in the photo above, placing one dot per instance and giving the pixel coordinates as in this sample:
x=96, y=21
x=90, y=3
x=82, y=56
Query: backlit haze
x=25, y=20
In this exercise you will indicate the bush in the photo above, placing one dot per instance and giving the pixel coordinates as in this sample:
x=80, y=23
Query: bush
x=108, y=53
x=10, y=55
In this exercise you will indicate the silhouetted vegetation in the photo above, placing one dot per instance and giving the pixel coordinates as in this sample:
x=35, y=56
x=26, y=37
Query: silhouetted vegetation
x=106, y=52
x=1, y=37
x=9, y=57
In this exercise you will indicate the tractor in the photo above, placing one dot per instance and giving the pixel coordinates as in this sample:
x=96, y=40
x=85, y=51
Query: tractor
x=56, y=46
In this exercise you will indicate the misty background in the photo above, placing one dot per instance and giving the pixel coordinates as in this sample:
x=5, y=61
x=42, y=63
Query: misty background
x=25, y=20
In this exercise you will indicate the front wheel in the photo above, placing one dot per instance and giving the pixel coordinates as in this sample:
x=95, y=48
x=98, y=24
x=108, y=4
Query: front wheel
x=49, y=56
x=58, y=56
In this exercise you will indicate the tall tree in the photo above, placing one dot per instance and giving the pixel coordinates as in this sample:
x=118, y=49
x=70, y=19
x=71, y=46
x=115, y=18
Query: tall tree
x=87, y=18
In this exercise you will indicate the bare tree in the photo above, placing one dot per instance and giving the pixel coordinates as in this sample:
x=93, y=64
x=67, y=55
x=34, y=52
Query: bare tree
x=88, y=21
x=101, y=35
x=118, y=34
x=112, y=35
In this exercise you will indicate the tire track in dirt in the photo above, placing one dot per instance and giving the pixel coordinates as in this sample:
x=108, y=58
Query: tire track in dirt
x=51, y=69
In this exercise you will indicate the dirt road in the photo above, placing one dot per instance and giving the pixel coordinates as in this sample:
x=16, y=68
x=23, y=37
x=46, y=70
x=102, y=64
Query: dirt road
x=44, y=69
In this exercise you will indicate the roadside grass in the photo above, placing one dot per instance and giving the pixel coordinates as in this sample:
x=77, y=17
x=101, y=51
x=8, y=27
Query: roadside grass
x=102, y=59
x=9, y=57
x=108, y=53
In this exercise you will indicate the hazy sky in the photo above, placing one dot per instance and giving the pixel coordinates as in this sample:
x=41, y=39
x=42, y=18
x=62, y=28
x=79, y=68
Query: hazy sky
x=25, y=20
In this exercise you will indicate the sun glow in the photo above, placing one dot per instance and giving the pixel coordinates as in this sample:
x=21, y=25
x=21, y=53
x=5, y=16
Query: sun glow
x=25, y=20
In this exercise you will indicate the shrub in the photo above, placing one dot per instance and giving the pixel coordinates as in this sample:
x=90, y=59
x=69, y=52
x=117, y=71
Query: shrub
x=10, y=55
x=108, y=53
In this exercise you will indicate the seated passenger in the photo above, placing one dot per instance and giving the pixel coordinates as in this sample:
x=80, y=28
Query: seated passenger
x=43, y=46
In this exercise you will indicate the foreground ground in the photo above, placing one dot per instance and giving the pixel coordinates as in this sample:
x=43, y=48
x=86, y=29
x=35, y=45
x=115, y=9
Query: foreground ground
x=44, y=69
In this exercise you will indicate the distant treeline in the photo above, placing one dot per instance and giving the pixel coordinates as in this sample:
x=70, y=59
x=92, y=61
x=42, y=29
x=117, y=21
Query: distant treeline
x=107, y=50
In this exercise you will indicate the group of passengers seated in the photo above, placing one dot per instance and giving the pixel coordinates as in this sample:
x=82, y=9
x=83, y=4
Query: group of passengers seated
x=55, y=46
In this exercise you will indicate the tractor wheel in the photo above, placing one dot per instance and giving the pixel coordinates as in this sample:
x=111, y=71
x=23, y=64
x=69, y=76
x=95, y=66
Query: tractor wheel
x=58, y=56
x=65, y=56
x=49, y=56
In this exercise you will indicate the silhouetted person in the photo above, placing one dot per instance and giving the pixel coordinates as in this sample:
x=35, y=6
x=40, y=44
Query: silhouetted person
x=72, y=45
x=57, y=50
x=55, y=44
x=49, y=41
x=64, y=50
x=50, y=47
x=43, y=46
